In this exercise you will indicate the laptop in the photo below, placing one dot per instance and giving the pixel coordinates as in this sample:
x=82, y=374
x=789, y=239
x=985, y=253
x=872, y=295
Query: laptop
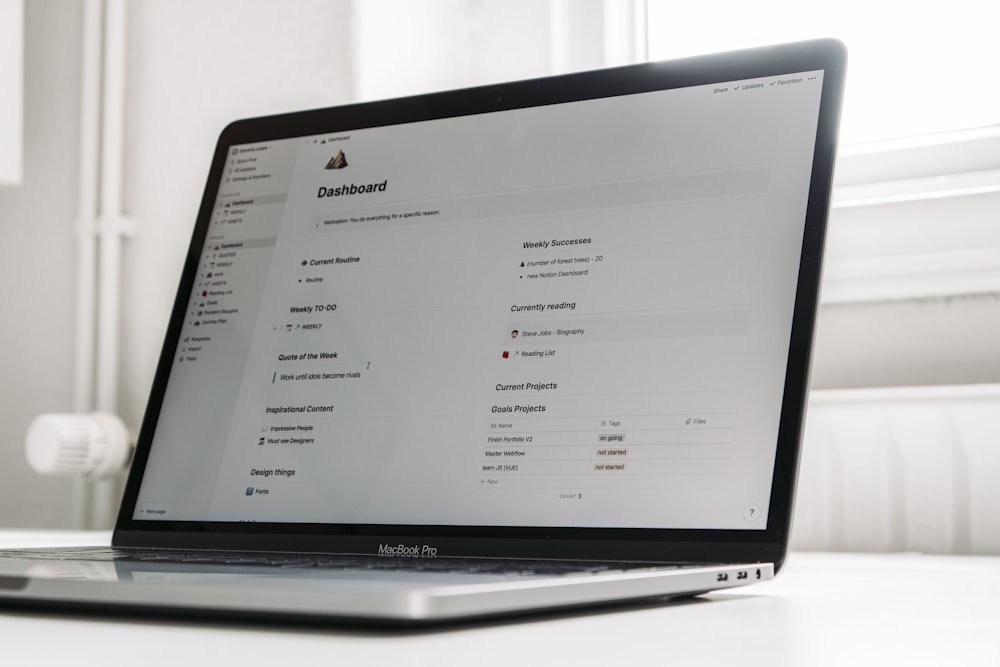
x=522, y=347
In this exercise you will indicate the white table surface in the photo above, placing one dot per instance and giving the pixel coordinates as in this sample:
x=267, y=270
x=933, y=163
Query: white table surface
x=824, y=609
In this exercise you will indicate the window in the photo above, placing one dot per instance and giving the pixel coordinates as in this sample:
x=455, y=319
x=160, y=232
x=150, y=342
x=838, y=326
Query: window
x=914, y=67
x=912, y=274
x=919, y=167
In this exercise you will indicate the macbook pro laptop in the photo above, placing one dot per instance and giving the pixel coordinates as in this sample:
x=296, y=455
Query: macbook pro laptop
x=526, y=346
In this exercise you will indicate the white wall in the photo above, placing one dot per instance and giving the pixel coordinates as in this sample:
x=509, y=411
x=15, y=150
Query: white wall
x=404, y=47
x=37, y=261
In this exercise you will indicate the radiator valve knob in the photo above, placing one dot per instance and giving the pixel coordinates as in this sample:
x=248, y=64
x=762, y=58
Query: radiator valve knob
x=91, y=445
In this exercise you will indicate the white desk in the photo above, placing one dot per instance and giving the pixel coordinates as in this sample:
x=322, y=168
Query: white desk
x=824, y=609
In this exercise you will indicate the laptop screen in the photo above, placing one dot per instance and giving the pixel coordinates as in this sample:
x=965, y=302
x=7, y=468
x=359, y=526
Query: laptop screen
x=575, y=314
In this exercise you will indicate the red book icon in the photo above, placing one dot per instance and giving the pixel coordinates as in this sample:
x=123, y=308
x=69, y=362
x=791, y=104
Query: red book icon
x=506, y=354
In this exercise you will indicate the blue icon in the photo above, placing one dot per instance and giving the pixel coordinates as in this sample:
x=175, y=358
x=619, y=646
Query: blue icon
x=249, y=490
